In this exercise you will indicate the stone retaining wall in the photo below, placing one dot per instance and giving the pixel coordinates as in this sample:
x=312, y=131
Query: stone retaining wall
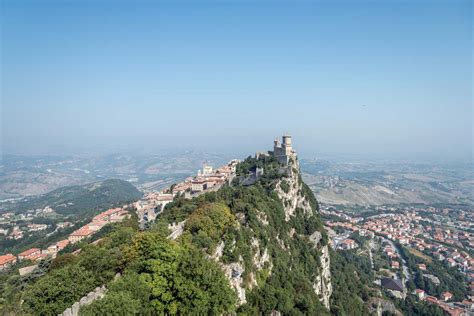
x=99, y=292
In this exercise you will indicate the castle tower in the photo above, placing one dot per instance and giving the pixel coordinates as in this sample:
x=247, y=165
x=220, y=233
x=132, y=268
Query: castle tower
x=287, y=146
x=284, y=152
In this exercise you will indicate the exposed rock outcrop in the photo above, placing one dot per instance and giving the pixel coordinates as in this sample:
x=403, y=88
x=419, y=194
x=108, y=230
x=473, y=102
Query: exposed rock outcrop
x=379, y=305
x=290, y=191
x=322, y=285
x=233, y=271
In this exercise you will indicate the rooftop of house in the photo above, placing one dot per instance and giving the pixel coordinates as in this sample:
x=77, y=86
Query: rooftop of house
x=62, y=243
x=81, y=232
x=29, y=252
x=392, y=284
x=7, y=258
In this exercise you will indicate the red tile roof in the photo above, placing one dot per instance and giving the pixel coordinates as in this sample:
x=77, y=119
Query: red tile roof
x=29, y=252
x=37, y=257
x=62, y=244
x=83, y=231
x=7, y=258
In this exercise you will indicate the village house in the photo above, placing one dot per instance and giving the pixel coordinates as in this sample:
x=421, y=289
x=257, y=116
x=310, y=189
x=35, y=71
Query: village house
x=27, y=254
x=16, y=233
x=348, y=244
x=420, y=294
x=451, y=262
x=63, y=225
x=57, y=247
x=198, y=185
x=36, y=227
x=7, y=260
x=38, y=257
x=446, y=296
x=80, y=234
x=108, y=216
x=395, y=265
x=96, y=225
x=432, y=299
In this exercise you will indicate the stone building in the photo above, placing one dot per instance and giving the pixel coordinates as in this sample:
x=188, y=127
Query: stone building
x=283, y=151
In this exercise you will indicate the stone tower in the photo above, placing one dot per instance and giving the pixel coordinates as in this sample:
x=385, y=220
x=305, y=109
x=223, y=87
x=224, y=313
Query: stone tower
x=286, y=145
x=284, y=152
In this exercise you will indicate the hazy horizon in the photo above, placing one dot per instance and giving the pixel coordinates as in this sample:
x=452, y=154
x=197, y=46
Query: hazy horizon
x=362, y=79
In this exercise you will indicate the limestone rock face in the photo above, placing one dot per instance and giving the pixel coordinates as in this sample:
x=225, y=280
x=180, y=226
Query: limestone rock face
x=260, y=257
x=379, y=305
x=233, y=272
x=289, y=191
x=322, y=285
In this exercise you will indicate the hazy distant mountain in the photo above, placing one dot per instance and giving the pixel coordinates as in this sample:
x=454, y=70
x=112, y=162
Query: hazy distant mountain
x=80, y=199
x=389, y=183
x=22, y=176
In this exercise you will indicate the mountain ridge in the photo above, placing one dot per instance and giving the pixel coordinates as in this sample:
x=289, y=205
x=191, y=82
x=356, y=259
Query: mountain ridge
x=78, y=200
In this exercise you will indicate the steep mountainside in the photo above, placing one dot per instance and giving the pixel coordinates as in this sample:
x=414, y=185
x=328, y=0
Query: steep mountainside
x=253, y=249
x=80, y=199
x=275, y=253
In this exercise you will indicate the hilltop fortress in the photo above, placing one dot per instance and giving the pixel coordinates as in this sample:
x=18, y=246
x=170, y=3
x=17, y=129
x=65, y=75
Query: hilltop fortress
x=284, y=152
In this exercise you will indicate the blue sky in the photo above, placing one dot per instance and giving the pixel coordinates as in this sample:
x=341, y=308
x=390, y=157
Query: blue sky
x=372, y=79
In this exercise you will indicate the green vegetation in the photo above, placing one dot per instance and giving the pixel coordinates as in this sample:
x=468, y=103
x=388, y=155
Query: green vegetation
x=166, y=277
x=284, y=186
x=412, y=306
x=450, y=278
x=351, y=277
x=55, y=292
x=56, y=284
x=208, y=224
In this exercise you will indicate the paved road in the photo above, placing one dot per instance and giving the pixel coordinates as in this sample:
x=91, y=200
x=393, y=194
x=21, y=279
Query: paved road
x=371, y=257
x=406, y=274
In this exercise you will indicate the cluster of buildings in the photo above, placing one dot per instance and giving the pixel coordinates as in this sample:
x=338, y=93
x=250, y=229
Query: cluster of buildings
x=206, y=180
x=348, y=244
x=32, y=254
x=113, y=215
x=442, y=234
x=416, y=231
x=10, y=227
x=452, y=309
x=419, y=232
x=35, y=254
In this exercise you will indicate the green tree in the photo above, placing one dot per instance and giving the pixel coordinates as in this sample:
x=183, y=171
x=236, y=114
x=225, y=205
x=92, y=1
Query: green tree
x=57, y=290
x=116, y=303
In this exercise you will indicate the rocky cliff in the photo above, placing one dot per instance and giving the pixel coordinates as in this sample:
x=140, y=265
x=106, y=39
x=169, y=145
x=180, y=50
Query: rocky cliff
x=264, y=232
x=278, y=236
x=291, y=191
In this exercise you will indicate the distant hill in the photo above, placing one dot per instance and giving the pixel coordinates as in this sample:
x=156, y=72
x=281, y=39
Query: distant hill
x=82, y=199
x=389, y=183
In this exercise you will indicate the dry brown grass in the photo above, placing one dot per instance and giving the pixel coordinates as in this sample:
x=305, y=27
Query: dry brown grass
x=419, y=254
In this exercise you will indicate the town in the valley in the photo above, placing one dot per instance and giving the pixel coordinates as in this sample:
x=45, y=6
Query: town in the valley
x=412, y=250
